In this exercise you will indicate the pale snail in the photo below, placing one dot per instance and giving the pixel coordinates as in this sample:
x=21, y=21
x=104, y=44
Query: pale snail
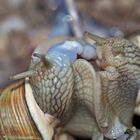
x=67, y=92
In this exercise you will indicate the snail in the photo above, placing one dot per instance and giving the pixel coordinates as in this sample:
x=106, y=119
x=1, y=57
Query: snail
x=62, y=91
x=19, y=95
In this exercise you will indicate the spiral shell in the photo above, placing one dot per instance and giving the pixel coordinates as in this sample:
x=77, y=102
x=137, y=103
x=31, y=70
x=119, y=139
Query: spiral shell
x=20, y=117
x=15, y=119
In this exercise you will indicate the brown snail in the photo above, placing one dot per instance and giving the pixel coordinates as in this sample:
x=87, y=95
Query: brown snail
x=20, y=115
x=70, y=90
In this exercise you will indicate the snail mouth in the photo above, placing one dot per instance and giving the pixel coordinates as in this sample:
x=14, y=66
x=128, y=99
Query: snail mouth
x=101, y=65
x=101, y=62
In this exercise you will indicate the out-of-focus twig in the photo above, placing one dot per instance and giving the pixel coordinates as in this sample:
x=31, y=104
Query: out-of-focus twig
x=75, y=23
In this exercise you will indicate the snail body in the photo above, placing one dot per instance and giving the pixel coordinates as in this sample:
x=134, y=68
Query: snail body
x=65, y=88
x=119, y=79
x=52, y=83
x=83, y=90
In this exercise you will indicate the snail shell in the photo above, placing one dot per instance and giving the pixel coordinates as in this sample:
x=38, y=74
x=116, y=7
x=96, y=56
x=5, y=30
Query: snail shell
x=20, y=117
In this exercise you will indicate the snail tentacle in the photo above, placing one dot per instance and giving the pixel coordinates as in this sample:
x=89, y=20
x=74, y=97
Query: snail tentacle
x=22, y=75
x=47, y=62
x=95, y=38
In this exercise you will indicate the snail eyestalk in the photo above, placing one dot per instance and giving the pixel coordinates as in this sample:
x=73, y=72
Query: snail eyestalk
x=96, y=38
x=22, y=75
x=44, y=59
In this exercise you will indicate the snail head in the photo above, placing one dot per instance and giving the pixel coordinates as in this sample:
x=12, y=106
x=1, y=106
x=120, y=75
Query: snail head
x=43, y=59
x=111, y=51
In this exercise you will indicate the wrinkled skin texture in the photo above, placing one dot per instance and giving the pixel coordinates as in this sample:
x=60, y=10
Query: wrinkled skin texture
x=120, y=82
x=77, y=108
x=78, y=96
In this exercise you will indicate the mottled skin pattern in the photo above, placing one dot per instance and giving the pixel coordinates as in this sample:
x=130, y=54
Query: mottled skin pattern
x=108, y=97
x=83, y=123
x=120, y=82
x=53, y=87
x=77, y=80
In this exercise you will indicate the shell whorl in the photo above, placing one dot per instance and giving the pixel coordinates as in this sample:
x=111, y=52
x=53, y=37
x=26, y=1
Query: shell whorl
x=21, y=117
x=15, y=119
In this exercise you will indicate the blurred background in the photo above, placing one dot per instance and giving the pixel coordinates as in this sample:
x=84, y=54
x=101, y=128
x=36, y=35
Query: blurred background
x=26, y=23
